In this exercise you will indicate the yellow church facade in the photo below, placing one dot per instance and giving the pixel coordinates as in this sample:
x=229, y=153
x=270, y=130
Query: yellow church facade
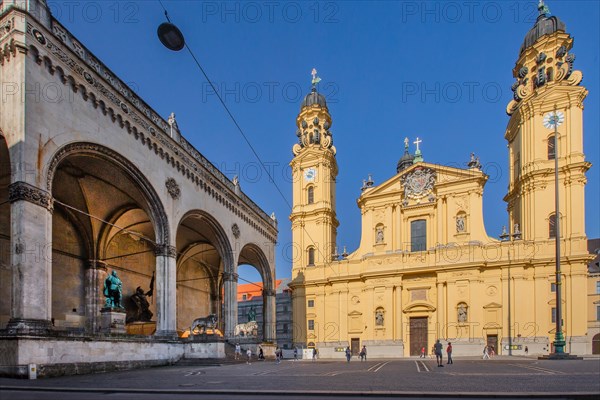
x=425, y=268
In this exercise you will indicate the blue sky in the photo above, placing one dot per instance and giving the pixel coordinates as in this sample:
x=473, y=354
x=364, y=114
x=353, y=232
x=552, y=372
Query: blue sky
x=441, y=71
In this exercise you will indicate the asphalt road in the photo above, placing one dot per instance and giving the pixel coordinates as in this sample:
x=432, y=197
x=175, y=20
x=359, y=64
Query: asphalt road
x=306, y=379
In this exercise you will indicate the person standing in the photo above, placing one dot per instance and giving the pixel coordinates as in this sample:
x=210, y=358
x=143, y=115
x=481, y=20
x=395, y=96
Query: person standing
x=422, y=352
x=261, y=354
x=526, y=350
x=238, y=351
x=295, y=354
x=449, y=352
x=363, y=354
x=437, y=348
x=278, y=354
x=249, y=354
x=314, y=357
x=348, y=354
x=485, y=353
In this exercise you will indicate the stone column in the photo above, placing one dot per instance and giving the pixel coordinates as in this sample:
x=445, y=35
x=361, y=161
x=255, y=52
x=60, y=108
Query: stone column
x=31, y=259
x=95, y=274
x=230, y=310
x=166, y=290
x=269, y=315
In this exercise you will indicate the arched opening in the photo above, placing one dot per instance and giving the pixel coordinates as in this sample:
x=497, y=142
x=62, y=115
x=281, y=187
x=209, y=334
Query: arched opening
x=310, y=194
x=202, y=258
x=103, y=221
x=596, y=344
x=5, y=261
x=311, y=256
x=260, y=295
x=552, y=228
x=551, y=147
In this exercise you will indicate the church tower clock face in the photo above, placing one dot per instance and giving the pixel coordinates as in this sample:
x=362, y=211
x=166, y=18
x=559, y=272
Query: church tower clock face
x=310, y=174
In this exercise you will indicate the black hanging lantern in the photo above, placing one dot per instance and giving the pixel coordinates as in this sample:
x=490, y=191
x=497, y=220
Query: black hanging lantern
x=170, y=36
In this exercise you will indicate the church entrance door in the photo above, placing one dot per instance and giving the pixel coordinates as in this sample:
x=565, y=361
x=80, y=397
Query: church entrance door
x=355, y=346
x=418, y=335
x=492, y=342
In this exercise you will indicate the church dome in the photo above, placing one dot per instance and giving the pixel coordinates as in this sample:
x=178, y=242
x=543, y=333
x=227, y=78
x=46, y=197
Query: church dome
x=544, y=25
x=405, y=161
x=313, y=98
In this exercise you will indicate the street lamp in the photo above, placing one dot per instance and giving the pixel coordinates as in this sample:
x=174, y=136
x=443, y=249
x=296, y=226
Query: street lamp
x=170, y=36
x=553, y=120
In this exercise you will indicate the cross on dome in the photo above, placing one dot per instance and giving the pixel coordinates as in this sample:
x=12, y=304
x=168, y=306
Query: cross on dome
x=417, y=142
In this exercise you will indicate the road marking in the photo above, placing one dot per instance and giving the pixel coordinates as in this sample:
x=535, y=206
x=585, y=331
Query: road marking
x=422, y=364
x=371, y=368
x=381, y=366
x=540, y=369
x=193, y=373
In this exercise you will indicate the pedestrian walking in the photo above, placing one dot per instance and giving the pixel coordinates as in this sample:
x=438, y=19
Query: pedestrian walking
x=295, y=354
x=449, y=352
x=363, y=354
x=437, y=348
x=492, y=351
x=348, y=354
x=486, y=353
x=249, y=354
x=238, y=351
x=278, y=354
x=526, y=350
x=261, y=355
x=422, y=352
x=314, y=357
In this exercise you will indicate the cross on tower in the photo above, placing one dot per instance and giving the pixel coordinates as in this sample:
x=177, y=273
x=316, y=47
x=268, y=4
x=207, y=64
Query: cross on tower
x=417, y=142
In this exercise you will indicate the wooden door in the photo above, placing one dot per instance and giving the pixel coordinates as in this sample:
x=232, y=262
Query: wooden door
x=355, y=346
x=492, y=342
x=418, y=335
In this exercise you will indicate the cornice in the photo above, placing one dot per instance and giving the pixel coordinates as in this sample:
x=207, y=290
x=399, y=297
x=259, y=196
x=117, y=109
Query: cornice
x=84, y=73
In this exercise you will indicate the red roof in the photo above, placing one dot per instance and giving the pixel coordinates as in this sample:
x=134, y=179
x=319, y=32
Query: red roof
x=252, y=290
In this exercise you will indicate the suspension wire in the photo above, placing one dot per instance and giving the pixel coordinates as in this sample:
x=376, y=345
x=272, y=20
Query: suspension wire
x=145, y=238
x=241, y=131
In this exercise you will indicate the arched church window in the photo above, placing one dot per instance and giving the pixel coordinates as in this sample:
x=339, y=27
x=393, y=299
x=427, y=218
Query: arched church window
x=311, y=195
x=552, y=226
x=551, y=147
x=311, y=256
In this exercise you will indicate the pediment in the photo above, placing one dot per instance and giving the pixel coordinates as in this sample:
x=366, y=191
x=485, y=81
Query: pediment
x=419, y=306
x=444, y=175
x=493, y=305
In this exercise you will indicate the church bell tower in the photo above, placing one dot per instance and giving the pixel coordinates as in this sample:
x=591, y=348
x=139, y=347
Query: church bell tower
x=314, y=171
x=546, y=82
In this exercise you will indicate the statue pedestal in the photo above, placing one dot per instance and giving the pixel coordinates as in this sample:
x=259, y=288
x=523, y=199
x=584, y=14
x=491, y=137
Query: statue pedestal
x=112, y=321
x=141, y=328
x=268, y=350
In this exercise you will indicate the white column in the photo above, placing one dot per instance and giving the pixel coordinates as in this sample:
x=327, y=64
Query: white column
x=166, y=290
x=230, y=309
x=95, y=274
x=269, y=315
x=31, y=259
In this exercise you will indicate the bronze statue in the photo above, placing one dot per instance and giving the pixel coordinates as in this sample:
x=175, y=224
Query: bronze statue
x=251, y=314
x=112, y=291
x=141, y=312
